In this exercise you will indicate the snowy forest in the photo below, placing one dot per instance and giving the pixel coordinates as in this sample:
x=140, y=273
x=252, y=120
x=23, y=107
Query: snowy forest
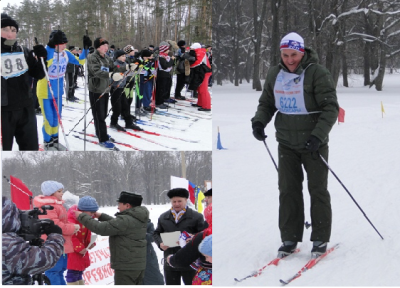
x=135, y=22
x=104, y=175
x=350, y=36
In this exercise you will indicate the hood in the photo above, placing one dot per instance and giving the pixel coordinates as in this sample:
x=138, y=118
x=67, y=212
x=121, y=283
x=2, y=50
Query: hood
x=41, y=200
x=10, y=217
x=71, y=214
x=140, y=213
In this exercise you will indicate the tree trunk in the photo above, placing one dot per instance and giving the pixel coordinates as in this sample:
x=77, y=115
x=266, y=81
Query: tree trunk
x=258, y=27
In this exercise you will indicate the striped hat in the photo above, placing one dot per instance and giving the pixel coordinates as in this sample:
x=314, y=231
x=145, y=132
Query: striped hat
x=164, y=46
x=293, y=41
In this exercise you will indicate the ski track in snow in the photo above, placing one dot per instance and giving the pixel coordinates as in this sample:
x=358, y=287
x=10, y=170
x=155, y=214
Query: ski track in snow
x=183, y=127
x=363, y=154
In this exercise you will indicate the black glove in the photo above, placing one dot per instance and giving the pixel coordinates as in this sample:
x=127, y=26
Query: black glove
x=86, y=42
x=52, y=228
x=313, y=143
x=40, y=51
x=55, y=39
x=258, y=131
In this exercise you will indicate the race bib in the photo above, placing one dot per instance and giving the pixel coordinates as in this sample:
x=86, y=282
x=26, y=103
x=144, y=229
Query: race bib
x=13, y=64
x=59, y=66
x=289, y=93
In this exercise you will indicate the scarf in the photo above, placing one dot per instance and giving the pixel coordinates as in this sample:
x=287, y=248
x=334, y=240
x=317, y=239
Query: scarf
x=178, y=215
x=165, y=55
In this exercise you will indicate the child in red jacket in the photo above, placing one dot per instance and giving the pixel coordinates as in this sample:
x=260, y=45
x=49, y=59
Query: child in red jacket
x=79, y=260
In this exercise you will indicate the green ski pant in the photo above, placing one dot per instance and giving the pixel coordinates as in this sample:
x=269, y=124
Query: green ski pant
x=291, y=204
x=128, y=277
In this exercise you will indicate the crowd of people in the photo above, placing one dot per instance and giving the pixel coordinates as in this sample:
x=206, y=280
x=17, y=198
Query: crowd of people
x=122, y=74
x=67, y=241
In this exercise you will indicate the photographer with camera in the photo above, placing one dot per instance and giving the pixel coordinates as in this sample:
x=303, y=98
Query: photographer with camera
x=52, y=195
x=20, y=260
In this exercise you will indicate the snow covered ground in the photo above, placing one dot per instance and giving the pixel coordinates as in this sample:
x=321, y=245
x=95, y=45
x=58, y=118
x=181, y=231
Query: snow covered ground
x=363, y=153
x=184, y=128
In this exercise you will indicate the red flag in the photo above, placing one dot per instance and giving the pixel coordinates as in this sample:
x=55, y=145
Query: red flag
x=20, y=194
x=341, y=115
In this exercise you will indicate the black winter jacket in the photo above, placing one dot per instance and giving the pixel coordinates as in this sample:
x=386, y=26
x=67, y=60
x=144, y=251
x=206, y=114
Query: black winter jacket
x=16, y=92
x=191, y=222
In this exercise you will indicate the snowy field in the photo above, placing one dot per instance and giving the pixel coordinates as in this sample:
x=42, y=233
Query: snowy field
x=182, y=127
x=363, y=153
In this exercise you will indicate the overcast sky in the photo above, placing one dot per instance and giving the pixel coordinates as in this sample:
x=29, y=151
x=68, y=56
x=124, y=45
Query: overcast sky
x=3, y=3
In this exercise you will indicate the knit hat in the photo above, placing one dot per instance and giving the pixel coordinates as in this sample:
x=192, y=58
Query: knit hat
x=130, y=197
x=205, y=246
x=181, y=43
x=49, y=187
x=208, y=193
x=164, y=46
x=71, y=48
x=118, y=53
x=195, y=46
x=293, y=41
x=178, y=192
x=146, y=53
x=8, y=21
x=88, y=203
x=99, y=41
x=128, y=49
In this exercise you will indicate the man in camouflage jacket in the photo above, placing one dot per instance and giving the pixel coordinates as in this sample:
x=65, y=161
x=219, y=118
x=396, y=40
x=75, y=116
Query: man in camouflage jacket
x=20, y=260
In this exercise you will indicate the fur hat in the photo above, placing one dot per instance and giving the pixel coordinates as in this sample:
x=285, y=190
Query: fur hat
x=49, y=187
x=130, y=198
x=293, y=41
x=146, y=53
x=178, y=192
x=99, y=41
x=164, y=46
x=208, y=193
x=205, y=246
x=88, y=203
x=195, y=46
x=118, y=53
x=181, y=43
x=8, y=21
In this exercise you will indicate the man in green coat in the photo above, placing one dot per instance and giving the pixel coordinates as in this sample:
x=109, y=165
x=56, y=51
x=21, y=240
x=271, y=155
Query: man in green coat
x=303, y=93
x=127, y=237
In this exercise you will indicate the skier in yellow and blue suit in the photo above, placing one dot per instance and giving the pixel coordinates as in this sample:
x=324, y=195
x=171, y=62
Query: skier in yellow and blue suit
x=57, y=59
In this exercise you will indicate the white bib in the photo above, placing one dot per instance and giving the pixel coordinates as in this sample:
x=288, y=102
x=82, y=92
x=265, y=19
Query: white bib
x=61, y=66
x=13, y=64
x=289, y=93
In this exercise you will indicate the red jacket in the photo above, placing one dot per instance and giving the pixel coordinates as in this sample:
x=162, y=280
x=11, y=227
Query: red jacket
x=80, y=241
x=201, y=58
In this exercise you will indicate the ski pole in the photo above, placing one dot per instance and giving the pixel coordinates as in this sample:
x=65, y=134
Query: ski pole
x=269, y=152
x=327, y=165
x=86, y=81
x=54, y=99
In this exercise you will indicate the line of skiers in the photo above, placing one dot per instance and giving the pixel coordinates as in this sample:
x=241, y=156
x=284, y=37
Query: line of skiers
x=132, y=73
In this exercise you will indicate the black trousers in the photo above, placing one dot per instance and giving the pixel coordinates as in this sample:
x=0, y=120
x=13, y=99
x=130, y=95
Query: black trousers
x=173, y=277
x=22, y=125
x=120, y=106
x=71, y=85
x=163, y=89
x=99, y=111
x=180, y=83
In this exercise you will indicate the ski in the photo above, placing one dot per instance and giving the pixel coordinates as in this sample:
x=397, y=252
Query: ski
x=146, y=139
x=261, y=270
x=114, y=141
x=309, y=265
x=168, y=136
x=193, y=113
x=161, y=126
x=95, y=142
